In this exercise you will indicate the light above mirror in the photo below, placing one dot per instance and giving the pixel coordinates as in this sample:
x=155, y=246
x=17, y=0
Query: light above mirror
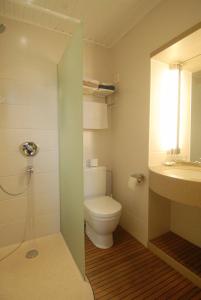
x=169, y=89
x=175, y=114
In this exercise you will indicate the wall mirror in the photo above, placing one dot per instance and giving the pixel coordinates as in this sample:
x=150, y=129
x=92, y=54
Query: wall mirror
x=178, y=72
x=194, y=66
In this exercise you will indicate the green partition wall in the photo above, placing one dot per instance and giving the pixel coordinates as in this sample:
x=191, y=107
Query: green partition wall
x=70, y=70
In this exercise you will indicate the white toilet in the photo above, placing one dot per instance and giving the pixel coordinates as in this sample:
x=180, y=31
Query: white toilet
x=102, y=213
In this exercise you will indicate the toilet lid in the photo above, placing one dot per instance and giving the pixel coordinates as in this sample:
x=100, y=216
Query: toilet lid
x=103, y=206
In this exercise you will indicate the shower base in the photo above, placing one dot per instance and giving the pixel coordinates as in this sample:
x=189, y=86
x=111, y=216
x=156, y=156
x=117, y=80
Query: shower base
x=51, y=275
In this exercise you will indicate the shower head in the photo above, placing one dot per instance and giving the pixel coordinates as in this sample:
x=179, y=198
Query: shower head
x=2, y=28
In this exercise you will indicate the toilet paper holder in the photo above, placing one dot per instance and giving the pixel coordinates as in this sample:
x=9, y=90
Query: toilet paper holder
x=140, y=177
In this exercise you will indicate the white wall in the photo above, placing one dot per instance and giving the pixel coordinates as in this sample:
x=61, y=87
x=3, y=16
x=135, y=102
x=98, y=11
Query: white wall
x=28, y=82
x=186, y=222
x=130, y=116
x=98, y=65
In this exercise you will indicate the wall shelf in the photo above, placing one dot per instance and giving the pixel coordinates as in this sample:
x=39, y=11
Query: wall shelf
x=97, y=92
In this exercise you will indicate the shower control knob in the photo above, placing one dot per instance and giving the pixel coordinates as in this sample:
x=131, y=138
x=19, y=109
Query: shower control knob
x=29, y=149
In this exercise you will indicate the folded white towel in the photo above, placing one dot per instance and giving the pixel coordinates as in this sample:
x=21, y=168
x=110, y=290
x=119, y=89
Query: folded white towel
x=91, y=83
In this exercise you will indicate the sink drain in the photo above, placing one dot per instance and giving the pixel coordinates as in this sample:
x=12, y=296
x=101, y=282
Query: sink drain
x=32, y=253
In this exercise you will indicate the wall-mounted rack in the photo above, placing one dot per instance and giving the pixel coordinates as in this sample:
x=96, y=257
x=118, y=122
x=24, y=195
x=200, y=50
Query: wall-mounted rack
x=97, y=92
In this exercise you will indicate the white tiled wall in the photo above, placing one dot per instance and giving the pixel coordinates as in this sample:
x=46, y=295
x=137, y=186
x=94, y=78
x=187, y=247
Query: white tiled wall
x=28, y=83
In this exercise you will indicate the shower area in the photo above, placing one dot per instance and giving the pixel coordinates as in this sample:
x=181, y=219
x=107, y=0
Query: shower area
x=41, y=152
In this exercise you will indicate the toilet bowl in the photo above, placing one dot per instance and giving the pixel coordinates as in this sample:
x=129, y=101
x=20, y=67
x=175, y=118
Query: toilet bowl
x=102, y=213
x=102, y=216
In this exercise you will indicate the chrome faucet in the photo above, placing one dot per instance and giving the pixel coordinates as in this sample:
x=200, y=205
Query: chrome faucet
x=182, y=162
x=197, y=163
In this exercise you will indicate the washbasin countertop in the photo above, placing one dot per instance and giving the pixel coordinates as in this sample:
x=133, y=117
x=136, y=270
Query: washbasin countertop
x=183, y=172
x=179, y=183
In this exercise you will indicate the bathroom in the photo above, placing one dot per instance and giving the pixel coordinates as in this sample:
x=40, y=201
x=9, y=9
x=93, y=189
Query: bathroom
x=116, y=50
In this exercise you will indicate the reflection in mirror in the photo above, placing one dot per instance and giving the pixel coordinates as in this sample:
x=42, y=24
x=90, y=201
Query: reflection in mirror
x=175, y=115
x=196, y=117
x=193, y=66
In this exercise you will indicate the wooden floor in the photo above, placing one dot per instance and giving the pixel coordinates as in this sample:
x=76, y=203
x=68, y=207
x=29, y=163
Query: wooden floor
x=181, y=250
x=128, y=270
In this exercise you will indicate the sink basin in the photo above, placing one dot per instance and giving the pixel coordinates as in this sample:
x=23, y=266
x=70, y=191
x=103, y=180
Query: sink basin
x=177, y=183
x=186, y=174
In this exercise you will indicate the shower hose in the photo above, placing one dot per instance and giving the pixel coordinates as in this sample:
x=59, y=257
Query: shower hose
x=29, y=172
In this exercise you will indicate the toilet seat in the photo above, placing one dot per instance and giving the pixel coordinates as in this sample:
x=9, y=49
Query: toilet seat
x=103, y=206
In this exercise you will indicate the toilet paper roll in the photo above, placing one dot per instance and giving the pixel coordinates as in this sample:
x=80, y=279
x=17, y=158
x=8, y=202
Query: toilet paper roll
x=132, y=183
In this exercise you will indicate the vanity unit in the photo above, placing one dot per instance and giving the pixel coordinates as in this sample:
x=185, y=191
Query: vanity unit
x=180, y=185
x=174, y=156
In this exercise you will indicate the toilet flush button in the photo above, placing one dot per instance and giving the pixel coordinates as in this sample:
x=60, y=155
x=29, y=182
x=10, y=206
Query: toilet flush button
x=93, y=162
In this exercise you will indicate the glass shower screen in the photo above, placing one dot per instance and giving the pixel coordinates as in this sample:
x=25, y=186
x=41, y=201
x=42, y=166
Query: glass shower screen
x=70, y=73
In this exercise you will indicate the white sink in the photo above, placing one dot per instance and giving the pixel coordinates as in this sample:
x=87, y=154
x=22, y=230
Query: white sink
x=181, y=173
x=177, y=183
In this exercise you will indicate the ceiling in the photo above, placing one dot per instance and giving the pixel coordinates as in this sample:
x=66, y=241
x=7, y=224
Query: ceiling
x=187, y=52
x=105, y=21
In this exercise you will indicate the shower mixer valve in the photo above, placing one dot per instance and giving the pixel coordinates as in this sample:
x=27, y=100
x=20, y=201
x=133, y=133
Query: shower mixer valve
x=29, y=149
